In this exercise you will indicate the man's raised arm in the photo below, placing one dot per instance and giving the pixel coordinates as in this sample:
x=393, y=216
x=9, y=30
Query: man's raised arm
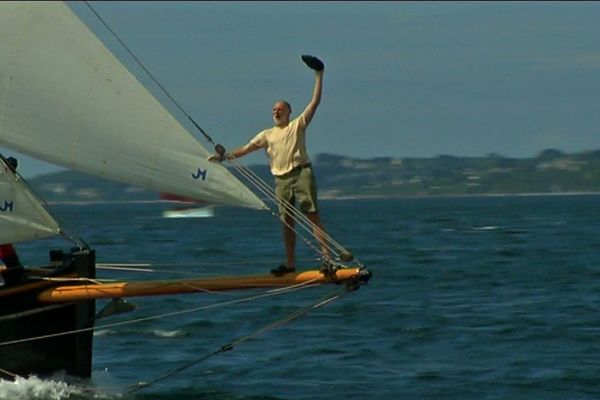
x=317, y=65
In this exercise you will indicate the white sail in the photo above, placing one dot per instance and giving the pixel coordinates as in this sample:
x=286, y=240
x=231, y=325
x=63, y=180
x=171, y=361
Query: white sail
x=66, y=99
x=22, y=217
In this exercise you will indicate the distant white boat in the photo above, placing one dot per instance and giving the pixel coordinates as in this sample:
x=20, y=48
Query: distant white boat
x=187, y=207
x=194, y=212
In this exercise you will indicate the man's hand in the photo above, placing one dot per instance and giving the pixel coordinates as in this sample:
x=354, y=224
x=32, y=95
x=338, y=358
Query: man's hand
x=216, y=158
x=219, y=158
x=313, y=62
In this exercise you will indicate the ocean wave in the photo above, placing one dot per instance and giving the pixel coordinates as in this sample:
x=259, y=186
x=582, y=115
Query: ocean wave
x=168, y=334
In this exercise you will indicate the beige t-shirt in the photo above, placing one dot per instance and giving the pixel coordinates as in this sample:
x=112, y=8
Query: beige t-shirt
x=285, y=147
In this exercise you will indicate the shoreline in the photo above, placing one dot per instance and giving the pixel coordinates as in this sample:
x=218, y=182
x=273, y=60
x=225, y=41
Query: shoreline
x=342, y=198
x=449, y=195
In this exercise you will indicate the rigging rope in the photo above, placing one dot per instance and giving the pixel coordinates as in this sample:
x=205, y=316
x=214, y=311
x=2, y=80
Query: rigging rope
x=9, y=374
x=297, y=216
x=324, y=300
x=155, y=267
x=150, y=75
x=266, y=294
x=231, y=345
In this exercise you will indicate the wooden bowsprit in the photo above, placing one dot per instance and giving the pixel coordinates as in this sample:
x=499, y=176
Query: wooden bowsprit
x=90, y=291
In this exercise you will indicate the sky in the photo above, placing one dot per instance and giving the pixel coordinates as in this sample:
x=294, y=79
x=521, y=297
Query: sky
x=402, y=79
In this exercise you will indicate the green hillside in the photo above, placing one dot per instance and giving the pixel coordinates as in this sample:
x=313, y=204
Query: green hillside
x=339, y=177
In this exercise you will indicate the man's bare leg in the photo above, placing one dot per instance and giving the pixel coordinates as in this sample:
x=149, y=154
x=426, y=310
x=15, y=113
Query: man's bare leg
x=289, y=239
x=319, y=231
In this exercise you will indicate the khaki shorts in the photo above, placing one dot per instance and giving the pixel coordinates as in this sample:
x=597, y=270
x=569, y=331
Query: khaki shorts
x=297, y=186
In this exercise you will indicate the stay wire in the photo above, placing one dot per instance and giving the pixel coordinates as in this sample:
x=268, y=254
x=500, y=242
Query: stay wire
x=267, y=191
x=303, y=221
x=168, y=268
x=227, y=347
x=330, y=297
x=310, y=227
x=150, y=75
x=269, y=293
x=325, y=242
x=290, y=207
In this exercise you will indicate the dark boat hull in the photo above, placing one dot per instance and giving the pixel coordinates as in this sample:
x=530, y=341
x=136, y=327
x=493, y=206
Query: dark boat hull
x=23, y=316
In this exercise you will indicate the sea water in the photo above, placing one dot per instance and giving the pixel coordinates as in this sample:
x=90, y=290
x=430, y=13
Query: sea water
x=471, y=298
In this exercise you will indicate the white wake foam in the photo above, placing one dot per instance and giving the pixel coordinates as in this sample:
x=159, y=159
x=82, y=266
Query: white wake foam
x=34, y=388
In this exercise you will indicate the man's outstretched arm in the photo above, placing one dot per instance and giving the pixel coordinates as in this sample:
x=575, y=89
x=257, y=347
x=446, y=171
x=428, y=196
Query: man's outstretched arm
x=237, y=153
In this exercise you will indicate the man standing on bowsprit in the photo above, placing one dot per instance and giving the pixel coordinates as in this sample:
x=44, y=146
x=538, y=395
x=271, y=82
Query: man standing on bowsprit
x=285, y=146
